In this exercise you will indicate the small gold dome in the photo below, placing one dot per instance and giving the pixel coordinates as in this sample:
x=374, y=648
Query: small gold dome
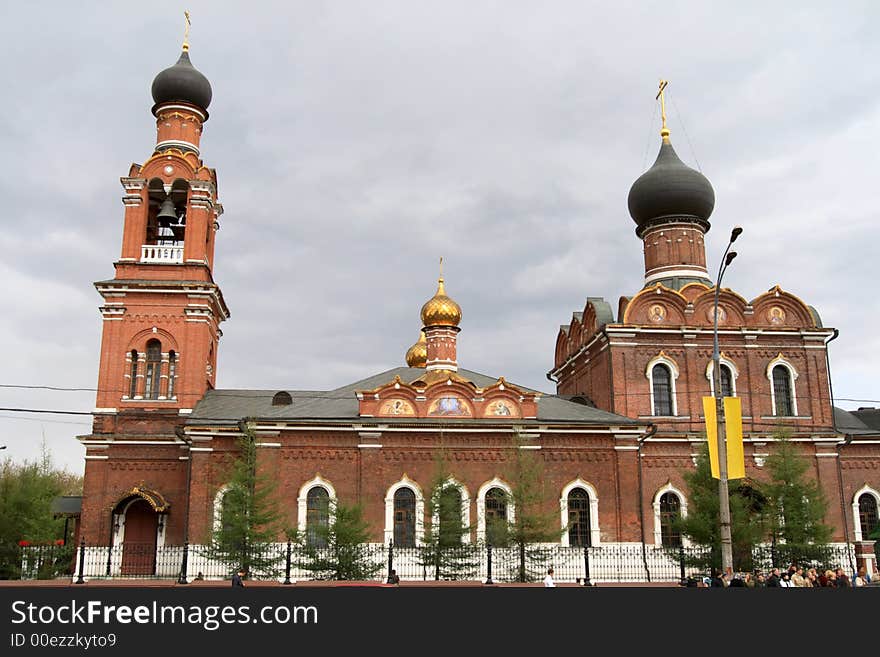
x=441, y=310
x=417, y=355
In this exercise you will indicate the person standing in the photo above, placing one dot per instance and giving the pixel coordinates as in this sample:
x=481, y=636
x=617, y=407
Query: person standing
x=548, y=580
x=237, y=578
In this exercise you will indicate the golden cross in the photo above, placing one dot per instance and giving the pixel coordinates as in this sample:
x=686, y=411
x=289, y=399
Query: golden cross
x=441, y=268
x=664, y=131
x=186, y=31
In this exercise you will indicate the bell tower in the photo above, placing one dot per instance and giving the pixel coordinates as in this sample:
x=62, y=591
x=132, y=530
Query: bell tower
x=162, y=310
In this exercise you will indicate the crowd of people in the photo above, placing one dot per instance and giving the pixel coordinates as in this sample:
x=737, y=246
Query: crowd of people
x=794, y=577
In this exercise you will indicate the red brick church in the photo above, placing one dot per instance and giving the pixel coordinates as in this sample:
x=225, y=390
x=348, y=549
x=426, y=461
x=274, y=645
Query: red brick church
x=626, y=422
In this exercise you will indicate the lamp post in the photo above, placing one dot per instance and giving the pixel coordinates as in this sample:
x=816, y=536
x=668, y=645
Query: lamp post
x=723, y=490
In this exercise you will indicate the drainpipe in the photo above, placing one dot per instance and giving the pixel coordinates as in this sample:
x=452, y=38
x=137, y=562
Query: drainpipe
x=651, y=432
x=846, y=441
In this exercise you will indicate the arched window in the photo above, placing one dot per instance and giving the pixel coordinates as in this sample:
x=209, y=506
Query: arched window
x=405, y=517
x=726, y=381
x=172, y=372
x=496, y=516
x=132, y=384
x=868, y=515
x=578, y=518
x=154, y=365
x=782, y=391
x=661, y=380
x=317, y=516
x=670, y=512
x=450, y=528
x=233, y=518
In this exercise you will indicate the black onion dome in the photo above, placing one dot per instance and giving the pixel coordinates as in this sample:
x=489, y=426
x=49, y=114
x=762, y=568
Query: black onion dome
x=670, y=190
x=182, y=83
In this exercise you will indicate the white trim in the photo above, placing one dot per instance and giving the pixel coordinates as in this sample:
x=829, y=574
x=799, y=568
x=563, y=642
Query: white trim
x=218, y=507
x=857, y=521
x=677, y=273
x=452, y=482
x=792, y=376
x=177, y=143
x=710, y=374
x=481, y=505
x=404, y=482
x=302, y=499
x=668, y=488
x=662, y=359
x=99, y=457
x=593, y=497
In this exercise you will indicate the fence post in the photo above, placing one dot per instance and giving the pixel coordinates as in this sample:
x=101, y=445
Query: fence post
x=489, y=564
x=109, y=555
x=682, y=579
x=184, y=564
x=390, y=556
x=287, y=565
x=587, y=581
x=82, y=558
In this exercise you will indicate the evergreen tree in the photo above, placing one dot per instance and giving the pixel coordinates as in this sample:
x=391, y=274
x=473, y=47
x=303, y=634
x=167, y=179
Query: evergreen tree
x=796, y=507
x=339, y=550
x=533, y=524
x=443, y=549
x=702, y=526
x=26, y=493
x=250, y=519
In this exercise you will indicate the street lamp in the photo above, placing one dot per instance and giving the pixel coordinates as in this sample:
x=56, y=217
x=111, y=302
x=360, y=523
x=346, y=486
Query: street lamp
x=721, y=434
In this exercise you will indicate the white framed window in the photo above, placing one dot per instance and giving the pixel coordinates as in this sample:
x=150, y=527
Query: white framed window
x=302, y=501
x=865, y=506
x=729, y=375
x=453, y=484
x=668, y=503
x=782, y=376
x=580, y=525
x=499, y=492
x=405, y=513
x=662, y=372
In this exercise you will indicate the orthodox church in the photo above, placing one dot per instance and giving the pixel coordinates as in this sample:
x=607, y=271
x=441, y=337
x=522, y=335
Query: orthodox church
x=626, y=423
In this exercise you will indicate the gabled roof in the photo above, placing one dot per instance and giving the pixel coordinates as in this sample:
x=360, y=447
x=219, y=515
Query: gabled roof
x=854, y=422
x=224, y=407
x=869, y=416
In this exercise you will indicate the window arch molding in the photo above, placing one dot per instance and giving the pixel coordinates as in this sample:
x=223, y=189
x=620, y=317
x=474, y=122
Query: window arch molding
x=451, y=482
x=593, y=497
x=662, y=359
x=481, y=505
x=710, y=374
x=140, y=339
x=780, y=360
x=405, y=482
x=303, y=498
x=857, y=520
x=655, y=504
x=218, y=506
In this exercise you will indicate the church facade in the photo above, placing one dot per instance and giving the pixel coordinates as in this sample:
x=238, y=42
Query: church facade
x=614, y=442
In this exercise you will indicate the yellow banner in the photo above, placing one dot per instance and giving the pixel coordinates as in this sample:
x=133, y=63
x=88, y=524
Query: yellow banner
x=736, y=465
x=736, y=468
x=711, y=434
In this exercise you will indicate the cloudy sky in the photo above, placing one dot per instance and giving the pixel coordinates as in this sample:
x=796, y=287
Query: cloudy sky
x=355, y=143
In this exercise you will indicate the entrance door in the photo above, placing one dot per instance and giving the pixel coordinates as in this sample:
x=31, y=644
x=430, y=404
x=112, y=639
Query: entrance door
x=139, y=545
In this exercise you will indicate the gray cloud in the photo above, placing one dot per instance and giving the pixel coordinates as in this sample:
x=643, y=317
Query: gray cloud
x=356, y=143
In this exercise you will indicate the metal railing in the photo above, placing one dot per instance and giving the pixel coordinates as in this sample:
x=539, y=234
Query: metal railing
x=608, y=563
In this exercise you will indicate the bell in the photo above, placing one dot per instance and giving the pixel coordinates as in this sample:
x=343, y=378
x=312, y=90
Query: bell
x=167, y=215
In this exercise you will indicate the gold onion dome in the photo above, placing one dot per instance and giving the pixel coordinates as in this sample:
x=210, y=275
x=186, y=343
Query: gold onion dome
x=440, y=310
x=417, y=355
